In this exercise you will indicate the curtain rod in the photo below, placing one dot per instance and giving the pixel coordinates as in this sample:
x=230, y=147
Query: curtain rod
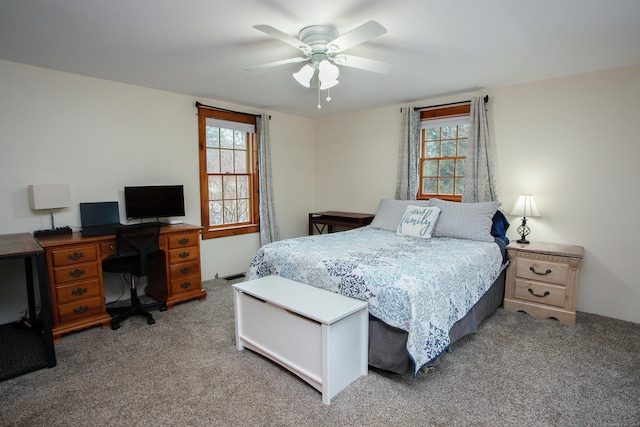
x=486, y=99
x=199, y=104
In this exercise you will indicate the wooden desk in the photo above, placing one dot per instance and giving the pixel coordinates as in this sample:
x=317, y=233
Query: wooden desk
x=326, y=221
x=24, y=246
x=77, y=286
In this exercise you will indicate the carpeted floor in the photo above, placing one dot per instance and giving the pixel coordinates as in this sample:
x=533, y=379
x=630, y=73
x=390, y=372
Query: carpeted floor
x=185, y=370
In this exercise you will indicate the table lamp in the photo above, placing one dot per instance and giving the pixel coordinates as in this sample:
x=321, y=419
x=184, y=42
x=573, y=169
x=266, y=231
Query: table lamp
x=50, y=196
x=525, y=207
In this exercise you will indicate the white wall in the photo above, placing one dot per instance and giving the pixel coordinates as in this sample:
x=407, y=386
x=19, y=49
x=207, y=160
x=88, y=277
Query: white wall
x=572, y=142
x=99, y=136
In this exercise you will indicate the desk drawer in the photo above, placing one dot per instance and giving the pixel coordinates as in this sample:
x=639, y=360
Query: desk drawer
x=183, y=240
x=75, y=272
x=74, y=256
x=544, y=271
x=79, y=310
x=78, y=291
x=186, y=284
x=180, y=271
x=541, y=293
x=108, y=248
x=189, y=253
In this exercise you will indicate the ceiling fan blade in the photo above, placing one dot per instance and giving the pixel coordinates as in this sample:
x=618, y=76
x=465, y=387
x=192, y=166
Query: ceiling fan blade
x=361, y=34
x=363, y=63
x=286, y=38
x=276, y=63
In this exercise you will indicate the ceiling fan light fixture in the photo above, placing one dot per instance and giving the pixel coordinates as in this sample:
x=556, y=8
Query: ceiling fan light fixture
x=328, y=74
x=304, y=75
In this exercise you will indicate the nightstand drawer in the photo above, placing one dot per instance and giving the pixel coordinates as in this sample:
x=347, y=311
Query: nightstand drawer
x=549, y=272
x=541, y=293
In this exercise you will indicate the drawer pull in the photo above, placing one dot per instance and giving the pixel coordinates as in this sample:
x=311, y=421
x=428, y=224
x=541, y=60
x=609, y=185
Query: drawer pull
x=183, y=241
x=185, y=270
x=76, y=273
x=185, y=285
x=75, y=256
x=184, y=255
x=538, y=295
x=79, y=291
x=540, y=274
x=81, y=310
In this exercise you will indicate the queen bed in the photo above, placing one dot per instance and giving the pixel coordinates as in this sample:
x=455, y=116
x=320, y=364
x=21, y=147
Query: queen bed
x=431, y=271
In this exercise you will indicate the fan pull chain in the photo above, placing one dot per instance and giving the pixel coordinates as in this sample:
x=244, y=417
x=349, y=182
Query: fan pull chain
x=319, y=106
x=328, y=95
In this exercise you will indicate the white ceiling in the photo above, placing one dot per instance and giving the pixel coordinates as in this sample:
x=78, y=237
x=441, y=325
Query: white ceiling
x=439, y=47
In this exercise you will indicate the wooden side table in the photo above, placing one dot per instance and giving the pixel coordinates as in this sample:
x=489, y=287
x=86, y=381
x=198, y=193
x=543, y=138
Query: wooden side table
x=542, y=280
x=329, y=220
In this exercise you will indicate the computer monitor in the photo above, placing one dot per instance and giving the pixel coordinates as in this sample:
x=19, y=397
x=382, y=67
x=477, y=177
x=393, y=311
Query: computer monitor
x=154, y=201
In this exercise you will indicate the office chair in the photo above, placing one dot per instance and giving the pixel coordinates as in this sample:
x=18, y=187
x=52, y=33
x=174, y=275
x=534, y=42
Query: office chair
x=138, y=250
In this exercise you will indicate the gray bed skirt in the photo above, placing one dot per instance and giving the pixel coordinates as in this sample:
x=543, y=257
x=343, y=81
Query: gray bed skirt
x=388, y=345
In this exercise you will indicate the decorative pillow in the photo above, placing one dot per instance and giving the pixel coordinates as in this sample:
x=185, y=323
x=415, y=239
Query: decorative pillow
x=471, y=221
x=390, y=213
x=418, y=221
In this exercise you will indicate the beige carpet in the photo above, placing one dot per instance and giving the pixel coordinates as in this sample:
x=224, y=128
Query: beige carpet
x=185, y=371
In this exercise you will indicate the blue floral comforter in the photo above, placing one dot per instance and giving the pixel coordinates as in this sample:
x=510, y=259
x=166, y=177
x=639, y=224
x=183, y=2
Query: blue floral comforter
x=422, y=286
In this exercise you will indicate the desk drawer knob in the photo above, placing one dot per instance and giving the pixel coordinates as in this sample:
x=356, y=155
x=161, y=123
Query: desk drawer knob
x=538, y=295
x=538, y=273
x=185, y=270
x=81, y=310
x=184, y=255
x=185, y=285
x=79, y=291
x=183, y=241
x=75, y=256
x=77, y=273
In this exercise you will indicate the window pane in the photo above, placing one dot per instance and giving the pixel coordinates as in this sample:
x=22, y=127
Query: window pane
x=241, y=161
x=446, y=169
x=226, y=161
x=460, y=167
x=445, y=186
x=212, y=137
x=215, y=187
x=243, y=186
x=463, y=131
x=240, y=140
x=449, y=148
x=230, y=213
x=229, y=187
x=462, y=147
x=430, y=168
x=215, y=213
x=449, y=132
x=432, y=134
x=226, y=138
x=243, y=210
x=432, y=149
x=459, y=186
x=213, y=160
x=430, y=186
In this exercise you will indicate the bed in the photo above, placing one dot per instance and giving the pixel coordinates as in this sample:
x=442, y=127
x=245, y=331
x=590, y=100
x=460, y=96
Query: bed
x=431, y=271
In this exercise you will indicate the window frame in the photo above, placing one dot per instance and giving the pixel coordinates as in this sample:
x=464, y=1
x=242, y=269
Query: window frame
x=253, y=225
x=436, y=113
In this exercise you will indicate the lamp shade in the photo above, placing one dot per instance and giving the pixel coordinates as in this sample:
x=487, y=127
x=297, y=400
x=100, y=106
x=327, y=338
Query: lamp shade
x=328, y=74
x=525, y=207
x=49, y=196
x=304, y=75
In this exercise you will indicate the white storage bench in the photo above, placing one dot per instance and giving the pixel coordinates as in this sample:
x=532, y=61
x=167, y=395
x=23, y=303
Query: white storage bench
x=320, y=336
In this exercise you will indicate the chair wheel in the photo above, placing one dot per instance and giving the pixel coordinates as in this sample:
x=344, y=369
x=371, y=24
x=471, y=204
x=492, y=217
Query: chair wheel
x=115, y=326
x=151, y=321
x=163, y=308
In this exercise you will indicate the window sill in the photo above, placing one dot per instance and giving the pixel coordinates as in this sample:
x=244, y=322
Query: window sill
x=230, y=231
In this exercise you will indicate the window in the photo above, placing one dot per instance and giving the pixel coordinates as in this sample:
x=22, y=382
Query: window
x=228, y=173
x=443, y=152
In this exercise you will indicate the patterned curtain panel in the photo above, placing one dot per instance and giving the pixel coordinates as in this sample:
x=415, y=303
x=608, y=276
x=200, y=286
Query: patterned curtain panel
x=268, y=222
x=480, y=184
x=409, y=155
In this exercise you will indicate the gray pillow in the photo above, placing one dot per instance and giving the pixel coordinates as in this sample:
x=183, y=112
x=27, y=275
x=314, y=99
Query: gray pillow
x=390, y=213
x=465, y=220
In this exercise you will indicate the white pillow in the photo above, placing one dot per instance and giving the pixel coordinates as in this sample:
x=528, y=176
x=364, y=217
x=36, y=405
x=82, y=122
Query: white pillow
x=390, y=213
x=418, y=221
x=465, y=220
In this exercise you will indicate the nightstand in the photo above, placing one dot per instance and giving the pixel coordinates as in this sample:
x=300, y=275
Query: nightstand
x=542, y=280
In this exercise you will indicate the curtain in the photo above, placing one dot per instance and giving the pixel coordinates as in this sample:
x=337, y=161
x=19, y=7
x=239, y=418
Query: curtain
x=480, y=184
x=268, y=223
x=409, y=155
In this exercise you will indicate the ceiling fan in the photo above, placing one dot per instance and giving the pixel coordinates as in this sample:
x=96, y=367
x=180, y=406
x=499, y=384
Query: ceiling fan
x=322, y=49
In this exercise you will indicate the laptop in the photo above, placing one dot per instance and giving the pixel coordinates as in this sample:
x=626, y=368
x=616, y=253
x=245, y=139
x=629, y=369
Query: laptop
x=99, y=218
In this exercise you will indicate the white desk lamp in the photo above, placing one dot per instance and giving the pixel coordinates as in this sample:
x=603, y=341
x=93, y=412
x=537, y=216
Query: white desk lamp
x=50, y=196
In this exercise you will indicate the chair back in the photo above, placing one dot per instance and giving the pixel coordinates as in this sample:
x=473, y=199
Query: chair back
x=139, y=240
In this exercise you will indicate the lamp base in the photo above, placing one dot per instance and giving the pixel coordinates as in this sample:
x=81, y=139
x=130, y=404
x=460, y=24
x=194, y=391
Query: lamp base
x=525, y=241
